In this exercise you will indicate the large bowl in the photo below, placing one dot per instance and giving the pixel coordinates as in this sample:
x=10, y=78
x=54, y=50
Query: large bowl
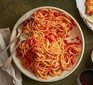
x=77, y=31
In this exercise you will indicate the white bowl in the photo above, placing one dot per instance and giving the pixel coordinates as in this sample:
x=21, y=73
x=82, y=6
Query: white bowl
x=75, y=32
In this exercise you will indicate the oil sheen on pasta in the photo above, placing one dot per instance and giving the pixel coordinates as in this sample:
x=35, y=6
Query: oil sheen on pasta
x=47, y=53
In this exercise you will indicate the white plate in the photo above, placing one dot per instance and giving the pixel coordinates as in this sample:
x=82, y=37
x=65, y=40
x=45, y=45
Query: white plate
x=75, y=32
x=81, y=7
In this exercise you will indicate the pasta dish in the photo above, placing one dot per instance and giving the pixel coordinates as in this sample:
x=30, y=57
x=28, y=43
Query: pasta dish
x=47, y=52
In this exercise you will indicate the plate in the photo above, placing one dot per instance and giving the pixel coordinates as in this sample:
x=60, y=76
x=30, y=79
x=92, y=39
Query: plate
x=75, y=32
x=81, y=8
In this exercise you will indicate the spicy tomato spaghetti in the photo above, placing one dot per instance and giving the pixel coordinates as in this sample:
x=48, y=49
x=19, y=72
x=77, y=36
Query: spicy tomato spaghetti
x=47, y=53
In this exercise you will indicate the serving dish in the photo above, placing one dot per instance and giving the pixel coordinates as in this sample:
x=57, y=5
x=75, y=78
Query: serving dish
x=81, y=8
x=75, y=32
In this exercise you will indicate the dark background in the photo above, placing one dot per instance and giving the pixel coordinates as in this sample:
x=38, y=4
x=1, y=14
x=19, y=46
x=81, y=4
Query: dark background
x=12, y=10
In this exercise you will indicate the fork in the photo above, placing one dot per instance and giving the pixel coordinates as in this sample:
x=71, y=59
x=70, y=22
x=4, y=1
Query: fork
x=9, y=59
x=19, y=31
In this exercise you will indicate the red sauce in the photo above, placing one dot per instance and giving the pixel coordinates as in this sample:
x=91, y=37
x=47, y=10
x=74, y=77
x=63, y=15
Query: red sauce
x=73, y=22
x=56, y=14
x=25, y=22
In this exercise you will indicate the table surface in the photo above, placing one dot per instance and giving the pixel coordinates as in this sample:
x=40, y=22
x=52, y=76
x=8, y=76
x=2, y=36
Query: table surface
x=12, y=10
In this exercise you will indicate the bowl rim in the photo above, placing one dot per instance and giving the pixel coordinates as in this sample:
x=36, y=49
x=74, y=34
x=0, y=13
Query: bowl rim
x=19, y=22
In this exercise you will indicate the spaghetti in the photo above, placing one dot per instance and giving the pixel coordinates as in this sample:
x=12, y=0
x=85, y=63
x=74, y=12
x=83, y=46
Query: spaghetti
x=46, y=52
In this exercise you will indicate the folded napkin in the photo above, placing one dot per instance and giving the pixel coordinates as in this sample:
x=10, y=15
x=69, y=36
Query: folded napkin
x=11, y=75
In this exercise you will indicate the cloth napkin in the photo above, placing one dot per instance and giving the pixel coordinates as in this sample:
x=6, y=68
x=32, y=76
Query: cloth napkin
x=11, y=75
